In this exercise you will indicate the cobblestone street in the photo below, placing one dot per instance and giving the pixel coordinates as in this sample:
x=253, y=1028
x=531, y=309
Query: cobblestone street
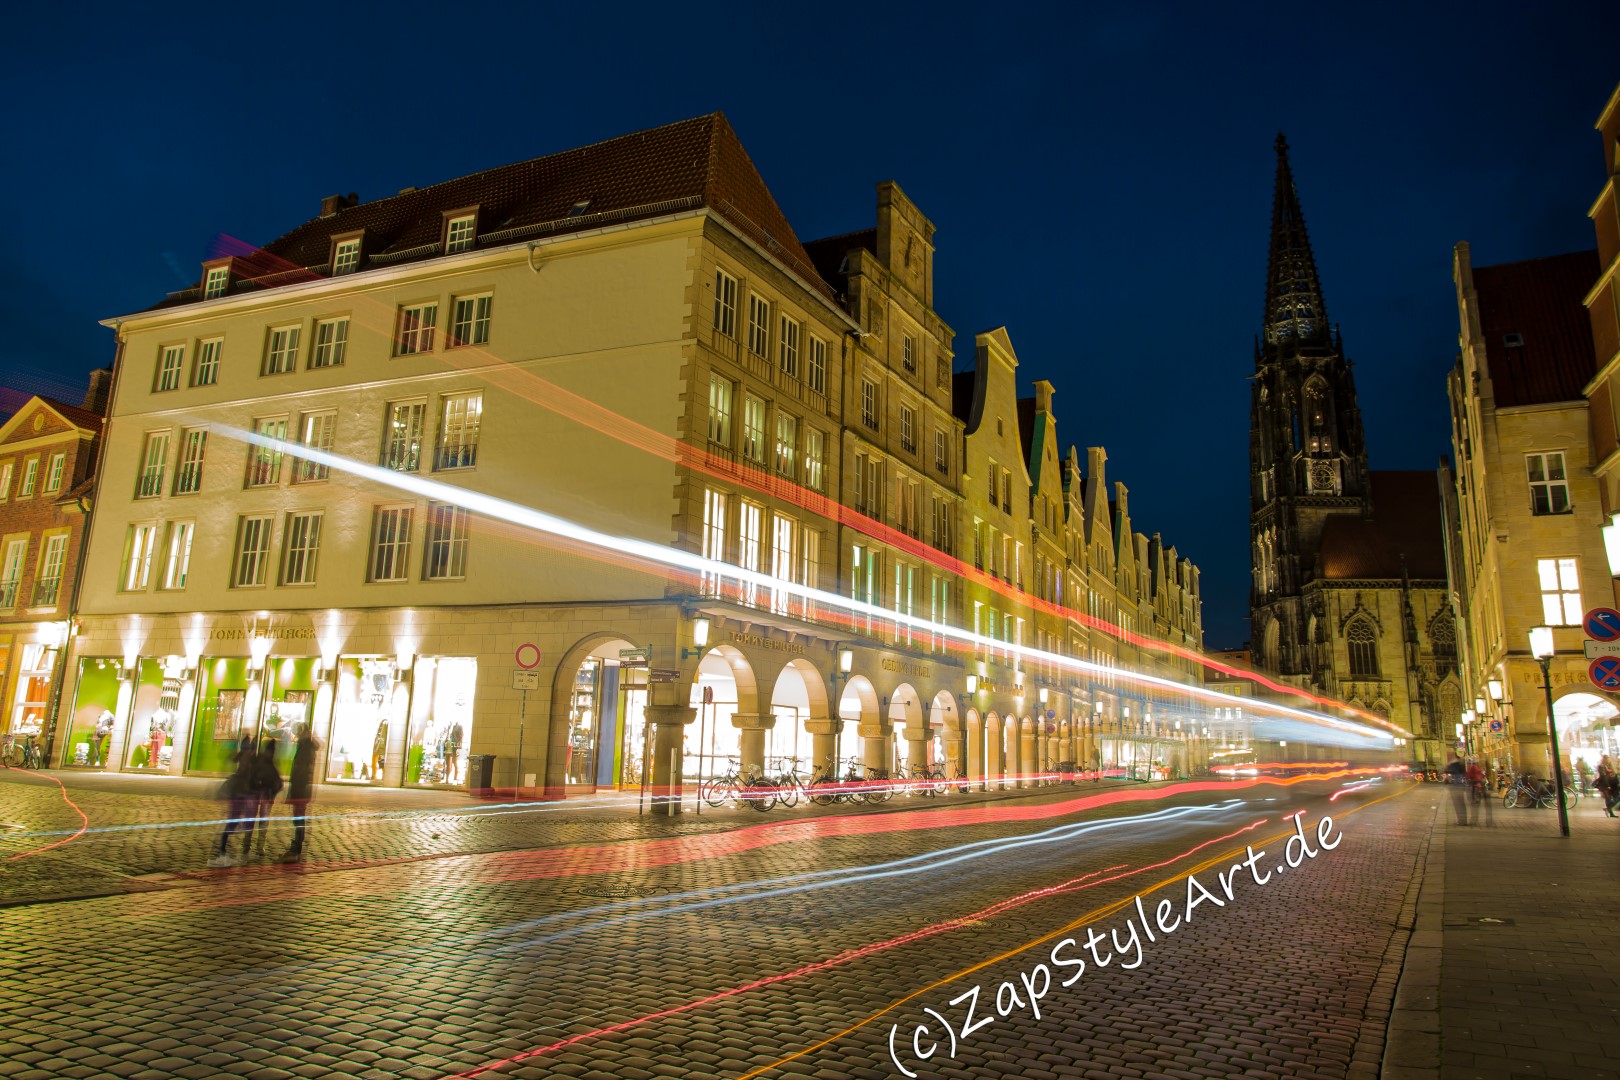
x=585, y=941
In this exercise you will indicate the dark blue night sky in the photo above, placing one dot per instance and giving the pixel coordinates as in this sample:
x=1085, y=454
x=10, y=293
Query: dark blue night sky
x=1100, y=177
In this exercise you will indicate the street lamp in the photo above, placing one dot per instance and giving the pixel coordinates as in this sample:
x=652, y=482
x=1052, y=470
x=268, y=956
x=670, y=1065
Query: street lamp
x=1543, y=649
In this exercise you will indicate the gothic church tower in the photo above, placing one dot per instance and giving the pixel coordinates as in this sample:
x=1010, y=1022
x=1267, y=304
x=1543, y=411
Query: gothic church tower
x=1308, y=458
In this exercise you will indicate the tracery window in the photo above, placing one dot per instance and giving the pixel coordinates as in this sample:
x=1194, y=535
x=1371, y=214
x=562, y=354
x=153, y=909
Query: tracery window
x=1363, y=641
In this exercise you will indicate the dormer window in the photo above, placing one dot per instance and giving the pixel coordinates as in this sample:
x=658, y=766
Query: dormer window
x=458, y=233
x=346, y=256
x=579, y=208
x=216, y=282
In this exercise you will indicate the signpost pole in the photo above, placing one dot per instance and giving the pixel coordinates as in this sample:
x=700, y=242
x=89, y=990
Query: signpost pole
x=523, y=709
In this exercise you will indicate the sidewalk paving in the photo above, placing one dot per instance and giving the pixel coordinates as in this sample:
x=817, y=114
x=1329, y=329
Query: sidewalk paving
x=1513, y=967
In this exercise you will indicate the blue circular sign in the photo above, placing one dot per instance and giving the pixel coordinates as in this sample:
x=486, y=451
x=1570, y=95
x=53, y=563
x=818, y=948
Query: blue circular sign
x=1605, y=672
x=1602, y=624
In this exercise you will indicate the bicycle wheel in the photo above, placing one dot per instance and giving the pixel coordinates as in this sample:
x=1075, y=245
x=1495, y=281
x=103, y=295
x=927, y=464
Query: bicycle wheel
x=1572, y=798
x=716, y=790
x=760, y=794
x=879, y=789
x=1510, y=798
x=819, y=793
x=787, y=791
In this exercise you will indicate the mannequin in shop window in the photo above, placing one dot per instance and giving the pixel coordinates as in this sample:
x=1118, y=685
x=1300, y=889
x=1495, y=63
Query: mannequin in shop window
x=157, y=736
x=452, y=754
x=98, y=738
x=379, y=750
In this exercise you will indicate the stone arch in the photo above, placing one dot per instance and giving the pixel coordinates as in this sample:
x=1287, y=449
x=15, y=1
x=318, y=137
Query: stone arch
x=945, y=746
x=908, y=718
x=799, y=707
x=585, y=721
x=1271, y=644
x=863, y=732
x=1320, y=423
x=995, y=750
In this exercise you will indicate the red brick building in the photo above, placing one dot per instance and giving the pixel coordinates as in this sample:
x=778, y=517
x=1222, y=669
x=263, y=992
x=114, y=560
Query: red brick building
x=47, y=474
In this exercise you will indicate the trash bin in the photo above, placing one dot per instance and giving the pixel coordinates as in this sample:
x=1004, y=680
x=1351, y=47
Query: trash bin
x=480, y=770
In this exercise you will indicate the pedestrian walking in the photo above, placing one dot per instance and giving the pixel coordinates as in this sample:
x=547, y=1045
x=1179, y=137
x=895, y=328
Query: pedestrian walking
x=1457, y=780
x=1583, y=772
x=237, y=791
x=1608, y=783
x=265, y=786
x=301, y=789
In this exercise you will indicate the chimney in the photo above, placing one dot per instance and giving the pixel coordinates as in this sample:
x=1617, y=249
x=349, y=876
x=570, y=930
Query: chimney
x=1043, y=397
x=95, y=399
x=333, y=203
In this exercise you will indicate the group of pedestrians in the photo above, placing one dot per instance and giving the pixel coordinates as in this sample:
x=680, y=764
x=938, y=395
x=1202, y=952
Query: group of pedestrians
x=250, y=793
x=1469, y=783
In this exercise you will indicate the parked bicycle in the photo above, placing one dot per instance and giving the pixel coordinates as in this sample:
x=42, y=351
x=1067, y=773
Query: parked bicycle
x=1527, y=790
x=21, y=752
x=743, y=788
x=789, y=787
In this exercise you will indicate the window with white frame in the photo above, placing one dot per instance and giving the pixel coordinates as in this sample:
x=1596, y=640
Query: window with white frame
x=252, y=565
x=759, y=325
x=817, y=374
x=316, y=431
x=787, y=444
x=995, y=491
x=48, y=575
x=53, y=472
x=784, y=559
x=390, y=543
x=750, y=524
x=939, y=608
x=207, y=370
x=815, y=452
x=171, y=364
x=789, y=348
x=402, y=436
x=469, y=320
x=1560, y=592
x=154, y=459
x=908, y=493
x=908, y=353
x=1006, y=490
x=753, y=446
x=714, y=537
x=459, y=233
x=30, y=477
x=5, y=480
x=331, y=343
x=416, y=325
x=11, y=568
x=809, y=564
x=942, y=452
x=346, y=257
x=908, y=429
x=264, y=460
x=905, y=601
x=445, y=543
x=940, y=533
x=138, y=544
x=863, y=579
x=216, y=281
x=188, y=470
x=281, y=350
x=177, y=560
x=460, y=417
x=1549, y=484
x=300, y=545
x=720, y=391
x=725, y=304
x=869, y=405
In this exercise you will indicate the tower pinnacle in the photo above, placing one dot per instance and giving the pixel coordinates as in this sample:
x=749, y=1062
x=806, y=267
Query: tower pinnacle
x=1295, y=311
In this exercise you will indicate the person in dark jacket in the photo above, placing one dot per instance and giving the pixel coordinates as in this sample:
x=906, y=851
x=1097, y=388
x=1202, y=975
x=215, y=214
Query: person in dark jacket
x=1457, y=777
x=301, y=789
x=266, y=785
x=237, y=791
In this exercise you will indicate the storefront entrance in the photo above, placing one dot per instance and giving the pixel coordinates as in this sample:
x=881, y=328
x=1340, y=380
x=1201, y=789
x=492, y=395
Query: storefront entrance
x=606, y=721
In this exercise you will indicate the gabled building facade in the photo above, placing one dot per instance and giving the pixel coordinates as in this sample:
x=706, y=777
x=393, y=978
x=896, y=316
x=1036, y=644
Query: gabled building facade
x=47, y=463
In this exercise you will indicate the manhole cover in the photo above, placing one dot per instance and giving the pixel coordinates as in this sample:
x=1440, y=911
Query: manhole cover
x=620, y=892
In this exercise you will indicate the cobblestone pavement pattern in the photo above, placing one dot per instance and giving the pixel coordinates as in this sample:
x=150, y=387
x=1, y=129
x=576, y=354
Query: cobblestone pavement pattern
x=436, y=966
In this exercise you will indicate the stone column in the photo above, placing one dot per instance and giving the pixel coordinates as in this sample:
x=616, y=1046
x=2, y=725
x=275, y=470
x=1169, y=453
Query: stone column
x=668, y=744
x=874, y=746
x=1028, y=760
x=916, y=745
x=953, y=752
x=752, y=728
x=975, y=757
x=823, y=749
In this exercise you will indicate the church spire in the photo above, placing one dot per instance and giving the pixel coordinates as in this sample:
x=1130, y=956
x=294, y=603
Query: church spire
x=1294, y=308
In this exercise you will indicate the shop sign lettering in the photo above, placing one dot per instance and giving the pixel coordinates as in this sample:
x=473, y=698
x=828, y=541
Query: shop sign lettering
x=286, y=633
x=757, y=642
x=920, y=670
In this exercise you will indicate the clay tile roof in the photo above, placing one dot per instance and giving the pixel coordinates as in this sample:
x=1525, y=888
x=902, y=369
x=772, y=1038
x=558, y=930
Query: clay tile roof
x=1405, y=522
x=828, y=254
x=73, y=414
x=681, y=166
x=1539, y=300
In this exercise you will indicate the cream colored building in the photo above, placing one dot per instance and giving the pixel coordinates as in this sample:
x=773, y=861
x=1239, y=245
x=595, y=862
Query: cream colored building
x=1526, y=497
x=628, y=337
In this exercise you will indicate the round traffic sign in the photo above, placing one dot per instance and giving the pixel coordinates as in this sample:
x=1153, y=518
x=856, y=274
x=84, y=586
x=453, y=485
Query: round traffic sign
x=1602, y=624
x=1605, y=672
x=527, y=655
